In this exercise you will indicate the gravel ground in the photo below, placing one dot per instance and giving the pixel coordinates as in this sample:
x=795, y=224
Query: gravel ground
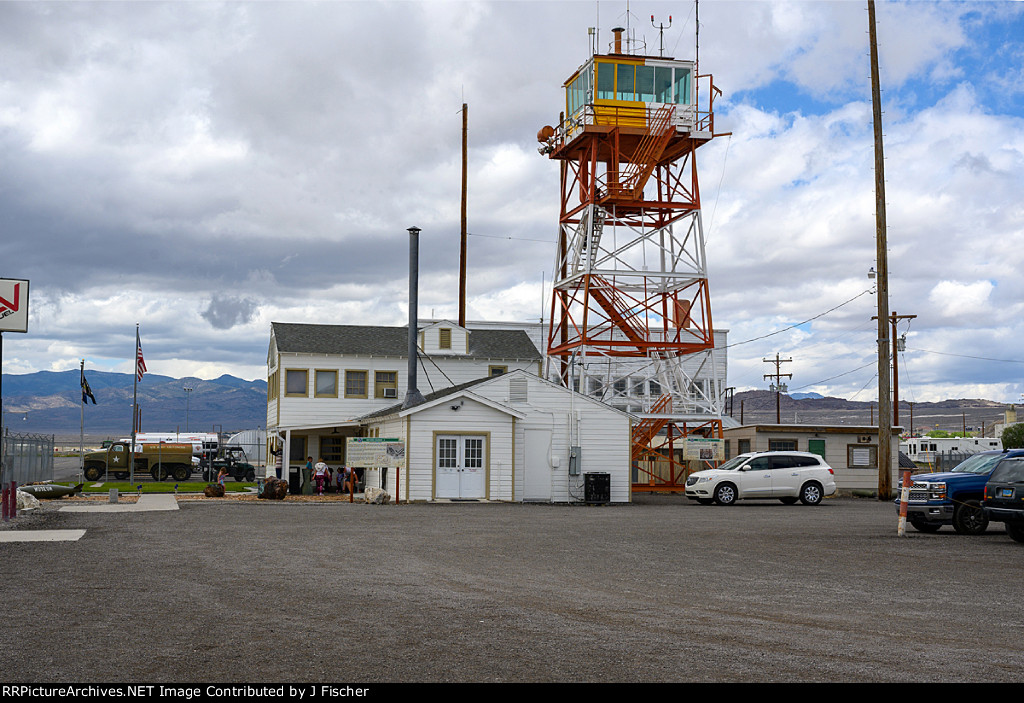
x=658, y=590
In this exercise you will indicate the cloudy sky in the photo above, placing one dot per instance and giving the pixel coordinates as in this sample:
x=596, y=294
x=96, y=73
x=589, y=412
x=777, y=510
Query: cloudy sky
x=205, y=168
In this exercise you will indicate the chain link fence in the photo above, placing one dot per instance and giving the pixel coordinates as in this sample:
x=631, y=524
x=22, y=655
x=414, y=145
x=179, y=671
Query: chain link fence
x=944, y=461
x=26, y=458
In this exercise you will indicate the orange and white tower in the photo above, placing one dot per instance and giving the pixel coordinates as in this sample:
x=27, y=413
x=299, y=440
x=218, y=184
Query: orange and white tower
x=631, y=292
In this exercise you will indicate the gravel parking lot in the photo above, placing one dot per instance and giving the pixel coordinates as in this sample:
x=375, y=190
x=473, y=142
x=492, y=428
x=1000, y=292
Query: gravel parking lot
x=658, y=590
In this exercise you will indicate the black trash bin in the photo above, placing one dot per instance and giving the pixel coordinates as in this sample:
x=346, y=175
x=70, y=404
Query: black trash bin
x=597, y=488
x=294, y=484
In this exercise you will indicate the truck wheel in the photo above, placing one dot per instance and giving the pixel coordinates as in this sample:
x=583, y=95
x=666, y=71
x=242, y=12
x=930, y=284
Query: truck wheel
x=1016, y=531
x=93, y=473
x=159, y=473
x=969, y=518
x=250, y=475
x=121, y=475
x=181, y=473
x=922, y=526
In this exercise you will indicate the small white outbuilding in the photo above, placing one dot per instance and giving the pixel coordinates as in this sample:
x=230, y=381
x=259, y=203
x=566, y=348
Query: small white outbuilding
x=514, y=437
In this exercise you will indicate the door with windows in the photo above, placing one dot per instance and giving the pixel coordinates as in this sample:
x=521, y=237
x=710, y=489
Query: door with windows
x=460, y=471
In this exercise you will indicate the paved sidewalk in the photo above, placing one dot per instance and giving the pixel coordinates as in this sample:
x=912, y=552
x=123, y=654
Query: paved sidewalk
x=145, y=503
x=41, y=535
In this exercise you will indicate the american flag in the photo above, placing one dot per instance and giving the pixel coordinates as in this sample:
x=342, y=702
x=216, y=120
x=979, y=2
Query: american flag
x=140, y=363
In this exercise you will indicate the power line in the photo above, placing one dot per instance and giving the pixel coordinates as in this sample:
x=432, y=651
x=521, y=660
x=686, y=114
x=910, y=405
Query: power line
x=844, y=373
x=967, y=356
x=793, y=326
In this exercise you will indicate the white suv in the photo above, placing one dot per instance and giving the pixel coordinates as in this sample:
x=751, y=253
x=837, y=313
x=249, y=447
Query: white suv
x=788, y=476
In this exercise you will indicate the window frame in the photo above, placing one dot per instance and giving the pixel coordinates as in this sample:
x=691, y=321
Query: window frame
x=379, y=386
x=366, y=383
x=296, y=394
x=316, y=383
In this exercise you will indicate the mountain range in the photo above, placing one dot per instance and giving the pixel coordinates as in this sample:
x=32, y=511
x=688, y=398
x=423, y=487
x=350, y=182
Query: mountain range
x=49, y=402
x=758, y=407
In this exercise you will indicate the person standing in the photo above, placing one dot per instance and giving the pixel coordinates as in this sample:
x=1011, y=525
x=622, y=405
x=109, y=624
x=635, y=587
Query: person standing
x=320, y=474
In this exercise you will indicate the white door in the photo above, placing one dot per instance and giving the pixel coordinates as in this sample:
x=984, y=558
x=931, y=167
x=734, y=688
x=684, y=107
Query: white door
x=460, y=470
x=537, y=471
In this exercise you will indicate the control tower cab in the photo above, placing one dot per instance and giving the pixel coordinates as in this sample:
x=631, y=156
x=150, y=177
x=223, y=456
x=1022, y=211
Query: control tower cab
x=649, y=106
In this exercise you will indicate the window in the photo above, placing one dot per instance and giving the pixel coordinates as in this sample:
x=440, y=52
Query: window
x=862, y=456
x=682, y=86
x=473, y=457
x=662, y=84
x=624, y=82
x=620, y=386
x=645, y=83
x=493, y=371
x=272, y=381
x=355, y=384
x=385, y=384
x=742, y=446
x=332, y=449
x=605, y=81
x=326, y=384
x=655, y=387
x=445, y=339
x=296, y=382
x=297, y=453
x=782, y=445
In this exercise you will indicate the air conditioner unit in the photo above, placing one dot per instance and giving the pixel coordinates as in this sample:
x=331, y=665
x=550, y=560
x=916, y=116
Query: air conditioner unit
x=390, y=392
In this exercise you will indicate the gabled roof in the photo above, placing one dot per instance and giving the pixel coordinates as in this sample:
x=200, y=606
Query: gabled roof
x=365, y=340
x=463, y=388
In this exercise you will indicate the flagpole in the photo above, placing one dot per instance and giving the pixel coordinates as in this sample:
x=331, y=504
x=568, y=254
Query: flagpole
x=81, y=436
x=135, y=400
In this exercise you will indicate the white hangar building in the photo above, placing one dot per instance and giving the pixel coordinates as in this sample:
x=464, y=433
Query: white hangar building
x=515, y=437
x=509, y=439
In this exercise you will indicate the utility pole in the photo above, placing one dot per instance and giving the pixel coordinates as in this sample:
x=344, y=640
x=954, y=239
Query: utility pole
x=897, y=346
x=882, y=265
x=778, y=386
x=465, y=231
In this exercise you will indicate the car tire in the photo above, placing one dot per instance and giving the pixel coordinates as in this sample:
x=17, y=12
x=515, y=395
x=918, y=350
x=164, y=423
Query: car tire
x=969, y=518
x=789, y=500
x=810, y=493
x=922, y=526
x=725, y=494
x=1016, y=531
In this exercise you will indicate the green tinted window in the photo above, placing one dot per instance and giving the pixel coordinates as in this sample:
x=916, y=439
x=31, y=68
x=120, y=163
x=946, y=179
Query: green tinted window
x=682, y=86
x=645, y=83
x=606, y=81
x=662, y=84
x=624, y=89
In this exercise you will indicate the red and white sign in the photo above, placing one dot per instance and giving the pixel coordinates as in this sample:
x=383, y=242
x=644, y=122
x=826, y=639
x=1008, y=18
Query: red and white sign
x=13, y=305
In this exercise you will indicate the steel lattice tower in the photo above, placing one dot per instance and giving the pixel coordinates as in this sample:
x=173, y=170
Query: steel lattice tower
x=631, y=296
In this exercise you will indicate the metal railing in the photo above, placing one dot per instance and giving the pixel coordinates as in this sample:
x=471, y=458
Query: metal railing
x=26, y=458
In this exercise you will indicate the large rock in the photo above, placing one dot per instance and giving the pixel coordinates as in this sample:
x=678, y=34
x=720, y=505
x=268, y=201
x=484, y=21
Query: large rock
x=377, y=496
x=273, y=489
x=27, y=501
x=214, y=490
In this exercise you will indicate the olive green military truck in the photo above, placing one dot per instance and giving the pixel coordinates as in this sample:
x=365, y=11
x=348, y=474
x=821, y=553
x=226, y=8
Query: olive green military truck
x=161, y=461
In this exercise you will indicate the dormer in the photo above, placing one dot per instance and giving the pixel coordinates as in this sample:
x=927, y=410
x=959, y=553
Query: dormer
x=444, y=337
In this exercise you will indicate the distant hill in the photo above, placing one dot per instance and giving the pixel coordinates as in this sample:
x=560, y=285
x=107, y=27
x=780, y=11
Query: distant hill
x=49, y=402
x=758, y=407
